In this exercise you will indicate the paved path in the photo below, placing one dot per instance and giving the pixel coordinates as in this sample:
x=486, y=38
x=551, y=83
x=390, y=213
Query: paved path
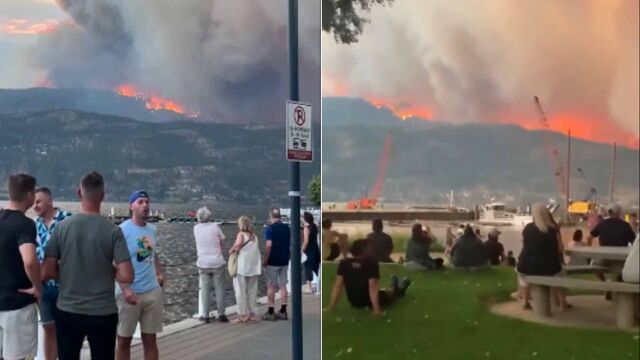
x=263, y=340
x=589, y=311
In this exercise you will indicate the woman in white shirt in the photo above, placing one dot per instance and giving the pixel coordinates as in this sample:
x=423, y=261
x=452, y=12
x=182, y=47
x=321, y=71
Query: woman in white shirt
x=631, y=269
x=211, y=264
x=249, y=269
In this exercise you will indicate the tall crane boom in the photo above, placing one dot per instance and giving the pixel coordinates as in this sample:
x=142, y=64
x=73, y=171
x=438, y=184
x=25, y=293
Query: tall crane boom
x=592, y=189
x=382, y=168
x=551, y=149
x=371, y=200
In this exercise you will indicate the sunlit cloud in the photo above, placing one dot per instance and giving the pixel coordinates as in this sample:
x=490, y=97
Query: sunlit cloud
x=28, y=27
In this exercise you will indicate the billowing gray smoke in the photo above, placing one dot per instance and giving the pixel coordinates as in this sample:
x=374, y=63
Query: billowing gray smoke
x=481, y=60
x=225, y=59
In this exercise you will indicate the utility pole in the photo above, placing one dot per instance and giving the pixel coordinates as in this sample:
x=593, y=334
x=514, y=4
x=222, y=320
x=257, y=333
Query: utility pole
x=568, y=176
x=294, y=196
x=613, y=174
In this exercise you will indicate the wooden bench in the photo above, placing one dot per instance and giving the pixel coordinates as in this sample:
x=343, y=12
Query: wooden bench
x=626, y=295
x=585, y=269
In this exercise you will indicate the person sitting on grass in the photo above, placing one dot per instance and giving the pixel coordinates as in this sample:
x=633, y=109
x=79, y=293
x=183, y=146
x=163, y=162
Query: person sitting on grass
x=510, y=260
x=418, y=250
x=334, y=243
x=359, y=276
x=468, y=251
x=494, y=248
x=448, y=243
x=381, y=243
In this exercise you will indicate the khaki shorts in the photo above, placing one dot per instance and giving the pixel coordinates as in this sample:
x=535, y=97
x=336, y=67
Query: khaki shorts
x=19, y=333
x=149, y=312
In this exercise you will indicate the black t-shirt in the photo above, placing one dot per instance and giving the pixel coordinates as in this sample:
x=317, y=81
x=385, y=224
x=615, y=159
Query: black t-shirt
x=15, y=229
x=493, y=249
x=356, y=274
x=381, y=246
x=614, y=232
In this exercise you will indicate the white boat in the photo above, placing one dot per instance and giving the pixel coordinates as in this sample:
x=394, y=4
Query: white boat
x=496, y=214
x=286, y=214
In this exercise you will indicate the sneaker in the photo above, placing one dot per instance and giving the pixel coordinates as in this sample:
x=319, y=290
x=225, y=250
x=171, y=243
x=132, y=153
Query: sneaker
x=269, y=317
x=204, y=319
x=394, y=283
x=223, y=319
x=404, y=284
x=282, y=316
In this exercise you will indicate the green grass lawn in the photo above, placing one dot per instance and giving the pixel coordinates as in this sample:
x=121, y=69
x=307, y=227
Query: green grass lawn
x=445, y=316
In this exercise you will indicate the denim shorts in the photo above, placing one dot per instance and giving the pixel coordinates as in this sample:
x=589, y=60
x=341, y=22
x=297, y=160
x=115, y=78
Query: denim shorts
x=48, y=304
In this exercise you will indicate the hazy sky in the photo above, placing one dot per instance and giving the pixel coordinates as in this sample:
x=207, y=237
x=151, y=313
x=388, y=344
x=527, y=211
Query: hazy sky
x=483, y=61
x=226, y=60
x=20, y=22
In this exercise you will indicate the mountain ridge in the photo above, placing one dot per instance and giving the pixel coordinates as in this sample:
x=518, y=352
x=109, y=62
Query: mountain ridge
x=179, y=161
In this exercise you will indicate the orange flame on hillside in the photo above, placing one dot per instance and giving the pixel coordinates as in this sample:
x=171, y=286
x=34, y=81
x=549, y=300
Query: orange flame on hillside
x=582, y=126
x=153, y=102
x=402, y=111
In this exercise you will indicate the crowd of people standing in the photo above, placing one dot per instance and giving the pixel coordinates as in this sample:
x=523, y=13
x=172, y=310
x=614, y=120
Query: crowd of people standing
x=85, y=278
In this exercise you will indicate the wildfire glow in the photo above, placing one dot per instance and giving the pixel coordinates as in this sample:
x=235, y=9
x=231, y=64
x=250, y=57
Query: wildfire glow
x=45, y=82
x=153, y=102
x=583, y=127
x=402, y=111
x=334, y=87
x=28, y=27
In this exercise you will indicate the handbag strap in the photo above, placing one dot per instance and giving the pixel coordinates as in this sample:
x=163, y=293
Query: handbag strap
x=245, y=243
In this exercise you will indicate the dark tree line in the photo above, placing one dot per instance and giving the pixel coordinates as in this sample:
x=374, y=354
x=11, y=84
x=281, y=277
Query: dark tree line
x=344, y=19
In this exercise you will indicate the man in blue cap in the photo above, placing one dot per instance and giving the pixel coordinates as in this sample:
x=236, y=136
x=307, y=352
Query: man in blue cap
x=142, y=301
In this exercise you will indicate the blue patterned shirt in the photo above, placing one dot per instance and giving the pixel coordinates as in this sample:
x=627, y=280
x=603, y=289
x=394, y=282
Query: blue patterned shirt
x=44, y=234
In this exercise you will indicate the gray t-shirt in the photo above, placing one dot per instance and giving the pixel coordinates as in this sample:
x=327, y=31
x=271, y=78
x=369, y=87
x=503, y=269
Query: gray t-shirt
x=86, y=247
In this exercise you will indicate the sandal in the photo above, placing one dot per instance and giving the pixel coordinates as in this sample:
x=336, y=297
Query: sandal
x=239, y=320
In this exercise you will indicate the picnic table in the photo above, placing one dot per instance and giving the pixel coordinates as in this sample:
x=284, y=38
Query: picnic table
x=613, y=253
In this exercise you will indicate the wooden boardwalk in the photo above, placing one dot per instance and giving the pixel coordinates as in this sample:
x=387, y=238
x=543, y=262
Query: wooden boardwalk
x=263, y=340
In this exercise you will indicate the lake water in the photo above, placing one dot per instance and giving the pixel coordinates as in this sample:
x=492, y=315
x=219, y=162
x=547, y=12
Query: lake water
x=177, y=251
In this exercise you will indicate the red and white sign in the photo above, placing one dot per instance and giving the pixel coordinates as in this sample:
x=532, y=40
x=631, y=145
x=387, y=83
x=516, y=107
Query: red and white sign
x=299, y=145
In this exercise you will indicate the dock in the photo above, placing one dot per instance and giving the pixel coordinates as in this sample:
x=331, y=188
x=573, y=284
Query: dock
x=191, y=339
x=397, y=215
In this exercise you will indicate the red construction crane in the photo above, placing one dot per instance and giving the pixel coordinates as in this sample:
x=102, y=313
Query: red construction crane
x=552, y=150
x=370, y=201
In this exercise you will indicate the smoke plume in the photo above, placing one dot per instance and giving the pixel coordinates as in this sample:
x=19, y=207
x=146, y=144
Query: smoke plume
x=225, y=59
x=485, y=60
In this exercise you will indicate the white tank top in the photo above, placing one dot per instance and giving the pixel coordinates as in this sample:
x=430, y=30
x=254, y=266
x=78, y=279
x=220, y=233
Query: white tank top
x=249, y=259
x=631, y=269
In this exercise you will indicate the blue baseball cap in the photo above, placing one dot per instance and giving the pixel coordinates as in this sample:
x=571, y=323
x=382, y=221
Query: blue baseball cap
x=137, y=195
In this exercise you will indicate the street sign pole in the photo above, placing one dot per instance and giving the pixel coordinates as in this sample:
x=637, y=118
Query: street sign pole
x=294, y=196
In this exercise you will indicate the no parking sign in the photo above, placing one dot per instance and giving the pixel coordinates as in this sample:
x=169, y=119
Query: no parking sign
x=299, y=145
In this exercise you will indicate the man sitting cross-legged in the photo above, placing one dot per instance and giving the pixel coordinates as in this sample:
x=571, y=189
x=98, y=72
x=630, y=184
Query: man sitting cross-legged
x=359, y=276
